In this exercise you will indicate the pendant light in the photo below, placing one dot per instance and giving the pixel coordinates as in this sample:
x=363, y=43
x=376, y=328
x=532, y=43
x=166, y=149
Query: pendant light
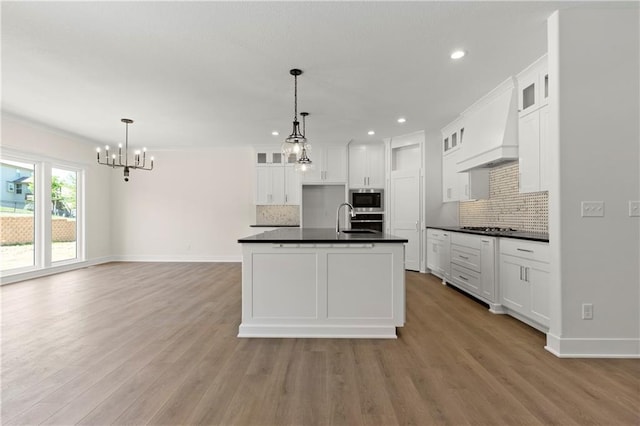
x=304, y=163
x=293, y=144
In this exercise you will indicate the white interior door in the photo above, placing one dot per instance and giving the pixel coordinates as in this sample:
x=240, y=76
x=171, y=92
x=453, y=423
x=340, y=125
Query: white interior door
x=405, y=213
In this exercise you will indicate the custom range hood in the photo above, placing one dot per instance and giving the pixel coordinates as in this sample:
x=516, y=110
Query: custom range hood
x=491, y=129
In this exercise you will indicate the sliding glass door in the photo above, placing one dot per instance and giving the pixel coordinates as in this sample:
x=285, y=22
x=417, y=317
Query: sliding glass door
x=41, y=213
x=17, y=215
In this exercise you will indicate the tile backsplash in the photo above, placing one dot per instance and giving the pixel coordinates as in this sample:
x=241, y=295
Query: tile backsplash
x=278, y=215
x=506, y=207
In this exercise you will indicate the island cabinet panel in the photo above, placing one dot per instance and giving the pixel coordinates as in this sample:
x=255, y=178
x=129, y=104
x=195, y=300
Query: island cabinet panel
x=331, y=289
x=357, y=285
x=294, y=296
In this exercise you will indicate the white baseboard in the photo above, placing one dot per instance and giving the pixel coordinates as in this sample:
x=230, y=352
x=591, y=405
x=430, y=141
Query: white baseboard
x=170, y=258
x=280, y=331
x=564, y=347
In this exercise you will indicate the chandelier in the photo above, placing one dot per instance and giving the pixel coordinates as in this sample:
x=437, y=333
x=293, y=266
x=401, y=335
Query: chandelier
x=296, y=140
x=113, y=160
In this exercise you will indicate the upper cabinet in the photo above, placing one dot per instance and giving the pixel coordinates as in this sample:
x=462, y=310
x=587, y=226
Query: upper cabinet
x=452, y=136
x=329, y=165
x=533, y=129
x=533, y=86
x=460, y=186
x=366, y=165
x=277, y=183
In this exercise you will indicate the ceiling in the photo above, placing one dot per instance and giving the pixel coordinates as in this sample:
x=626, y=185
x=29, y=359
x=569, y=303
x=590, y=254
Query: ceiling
x=211, y=74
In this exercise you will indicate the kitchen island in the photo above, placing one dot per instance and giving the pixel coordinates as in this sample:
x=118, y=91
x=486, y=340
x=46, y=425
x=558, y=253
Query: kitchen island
x=312, y=282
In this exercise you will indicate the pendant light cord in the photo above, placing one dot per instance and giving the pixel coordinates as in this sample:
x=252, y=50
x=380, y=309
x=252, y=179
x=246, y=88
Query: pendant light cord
x=295, y=98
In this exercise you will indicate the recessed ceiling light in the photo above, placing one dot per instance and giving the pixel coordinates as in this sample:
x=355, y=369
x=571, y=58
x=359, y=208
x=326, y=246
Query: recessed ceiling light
x=457, y=54
x=275, y=133
x=371, y=133
x=401, y=120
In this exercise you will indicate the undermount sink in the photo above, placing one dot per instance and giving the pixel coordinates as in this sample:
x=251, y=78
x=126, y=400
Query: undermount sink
x=357, y=231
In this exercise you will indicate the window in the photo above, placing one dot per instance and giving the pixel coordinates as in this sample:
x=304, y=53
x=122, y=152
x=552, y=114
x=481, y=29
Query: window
x=39, y=228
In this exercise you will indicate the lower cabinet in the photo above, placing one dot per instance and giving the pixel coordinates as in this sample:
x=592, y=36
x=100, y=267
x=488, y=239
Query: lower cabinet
x=524, y=280
x=510, y=275
x=438, y=253
x=473, y=267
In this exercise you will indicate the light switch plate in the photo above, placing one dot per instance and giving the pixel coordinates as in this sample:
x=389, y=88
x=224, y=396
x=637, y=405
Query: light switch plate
x=634, y=208
x=592, y=208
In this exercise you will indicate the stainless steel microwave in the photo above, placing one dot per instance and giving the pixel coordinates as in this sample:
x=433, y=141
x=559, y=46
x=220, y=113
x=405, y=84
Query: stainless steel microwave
x=367, y=200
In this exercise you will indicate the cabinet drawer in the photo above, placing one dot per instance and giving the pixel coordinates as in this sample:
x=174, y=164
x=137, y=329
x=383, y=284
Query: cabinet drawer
x=466, y=240
x=437, y=234
x=525, y=249
x=466, y=278
x=465, y=256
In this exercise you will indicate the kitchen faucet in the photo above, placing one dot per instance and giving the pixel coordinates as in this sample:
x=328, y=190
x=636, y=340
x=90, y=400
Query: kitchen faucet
x=353, y=214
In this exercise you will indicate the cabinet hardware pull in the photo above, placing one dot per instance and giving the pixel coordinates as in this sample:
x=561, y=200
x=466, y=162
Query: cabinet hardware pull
x=464, y=257
x=485, y=241
x=526, y=274
x=521, y=273
x=528, y=251
x=460, y=276
x=446, y=235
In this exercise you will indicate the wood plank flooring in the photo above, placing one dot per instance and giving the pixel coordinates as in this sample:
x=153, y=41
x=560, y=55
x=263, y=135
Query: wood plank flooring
x=155, y=343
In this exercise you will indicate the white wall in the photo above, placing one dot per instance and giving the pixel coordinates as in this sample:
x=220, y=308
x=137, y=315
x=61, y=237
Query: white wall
x=594, y=131
x=20, y=135
x=193, y=206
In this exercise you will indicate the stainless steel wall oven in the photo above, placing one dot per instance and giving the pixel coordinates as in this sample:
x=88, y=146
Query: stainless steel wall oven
x=373, y=221
x=367, y=200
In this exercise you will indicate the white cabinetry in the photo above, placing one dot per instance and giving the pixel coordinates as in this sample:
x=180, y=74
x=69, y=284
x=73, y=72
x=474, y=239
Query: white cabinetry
x=309, y=290
x=366, y=165
x=438, y=253
x=292, y=188
x=473, y=266
x=329, y=165
x=524, y=280
x=459, y=186
x=533, y=129
x=472, y=185
x=449, y=179
x=276, y=181
x=270, y=185
x=533, y=86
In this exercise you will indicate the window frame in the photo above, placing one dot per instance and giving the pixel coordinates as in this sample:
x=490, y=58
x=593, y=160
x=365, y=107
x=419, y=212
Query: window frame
x=43, y=166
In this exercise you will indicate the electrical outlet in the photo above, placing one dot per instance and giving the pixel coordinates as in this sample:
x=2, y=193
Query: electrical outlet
x=592, y=208
x=634, y=208
x=587, y=311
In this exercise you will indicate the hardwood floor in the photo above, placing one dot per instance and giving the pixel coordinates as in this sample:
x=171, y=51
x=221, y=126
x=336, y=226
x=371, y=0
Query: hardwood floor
x=154, y=343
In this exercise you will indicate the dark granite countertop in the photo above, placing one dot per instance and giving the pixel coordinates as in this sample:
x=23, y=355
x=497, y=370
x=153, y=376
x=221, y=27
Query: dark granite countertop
x=319, y=235
x=531, y=236
x=274, y=226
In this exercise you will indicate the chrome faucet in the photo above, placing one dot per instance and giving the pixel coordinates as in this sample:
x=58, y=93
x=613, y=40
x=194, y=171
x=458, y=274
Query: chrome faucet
x=353, y=214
